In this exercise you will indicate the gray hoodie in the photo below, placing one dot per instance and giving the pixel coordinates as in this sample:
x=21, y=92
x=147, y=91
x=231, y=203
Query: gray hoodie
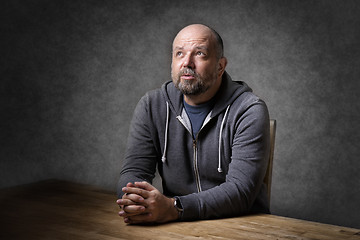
x=219, y=173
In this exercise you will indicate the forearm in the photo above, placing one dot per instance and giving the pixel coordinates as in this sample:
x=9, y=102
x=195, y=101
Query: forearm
x=141, y=156
x=221, y=201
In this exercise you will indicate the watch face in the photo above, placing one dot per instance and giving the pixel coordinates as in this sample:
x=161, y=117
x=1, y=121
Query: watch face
x=178, y=205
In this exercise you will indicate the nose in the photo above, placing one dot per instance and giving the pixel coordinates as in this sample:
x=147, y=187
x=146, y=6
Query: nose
x=189, y=61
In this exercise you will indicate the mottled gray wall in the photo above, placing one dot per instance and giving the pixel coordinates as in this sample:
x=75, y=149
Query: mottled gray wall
x=72, y=72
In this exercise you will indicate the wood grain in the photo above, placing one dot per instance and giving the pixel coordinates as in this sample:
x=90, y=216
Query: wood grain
x=62, y=210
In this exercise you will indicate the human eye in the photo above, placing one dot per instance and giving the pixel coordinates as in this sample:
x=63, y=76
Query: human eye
x=178, y=53
x=201, y=53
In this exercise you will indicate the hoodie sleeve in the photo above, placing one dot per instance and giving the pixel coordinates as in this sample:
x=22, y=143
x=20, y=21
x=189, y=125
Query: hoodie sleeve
x=244, y=179
x=141, y=155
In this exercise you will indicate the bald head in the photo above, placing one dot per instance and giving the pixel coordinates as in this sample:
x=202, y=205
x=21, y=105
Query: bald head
x=195, y=30
x=197, y=63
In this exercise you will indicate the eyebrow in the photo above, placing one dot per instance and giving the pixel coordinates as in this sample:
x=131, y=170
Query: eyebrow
x=178, y=48
x=202, y=48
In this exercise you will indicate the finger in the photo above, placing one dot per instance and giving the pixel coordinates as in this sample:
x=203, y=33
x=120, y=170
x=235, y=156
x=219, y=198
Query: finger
x=131, y=199
x=127, y=215
x=135, y=198
x=145, y=185
x=135, y=190
x=125, y=202
x=130, y=184
x=132, y=210
x=118, y=202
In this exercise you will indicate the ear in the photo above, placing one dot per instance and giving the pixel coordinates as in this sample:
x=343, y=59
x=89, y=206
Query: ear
x=222, y=65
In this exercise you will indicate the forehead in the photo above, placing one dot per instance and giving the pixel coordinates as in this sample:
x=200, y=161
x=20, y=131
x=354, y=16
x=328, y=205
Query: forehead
x=193, y=36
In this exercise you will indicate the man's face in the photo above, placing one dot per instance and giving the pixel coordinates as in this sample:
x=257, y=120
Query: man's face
x=194, y=68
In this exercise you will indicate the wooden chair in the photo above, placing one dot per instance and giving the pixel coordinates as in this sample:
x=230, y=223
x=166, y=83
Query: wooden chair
x=268, y=175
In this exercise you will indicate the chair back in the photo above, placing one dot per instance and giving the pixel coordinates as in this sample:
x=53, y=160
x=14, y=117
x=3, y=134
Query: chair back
x=268, y=175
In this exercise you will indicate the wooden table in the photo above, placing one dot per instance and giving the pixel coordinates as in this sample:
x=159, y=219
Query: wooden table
x=62, y=210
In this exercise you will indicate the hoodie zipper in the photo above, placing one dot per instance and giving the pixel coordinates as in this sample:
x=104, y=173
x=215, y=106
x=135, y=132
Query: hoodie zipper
x=195, y=156
x=196, y=169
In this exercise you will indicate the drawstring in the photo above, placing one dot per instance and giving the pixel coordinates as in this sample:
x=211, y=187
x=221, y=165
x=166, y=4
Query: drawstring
x=220, y=135
x=163, y=158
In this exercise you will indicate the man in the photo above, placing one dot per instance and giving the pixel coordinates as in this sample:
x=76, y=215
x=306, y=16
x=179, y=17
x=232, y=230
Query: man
x=208, y=135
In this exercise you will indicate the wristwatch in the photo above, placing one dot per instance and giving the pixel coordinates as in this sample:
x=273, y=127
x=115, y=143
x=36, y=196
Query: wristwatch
x=178, y=206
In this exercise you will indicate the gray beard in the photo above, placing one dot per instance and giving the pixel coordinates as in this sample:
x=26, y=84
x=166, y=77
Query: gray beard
x=193, y=87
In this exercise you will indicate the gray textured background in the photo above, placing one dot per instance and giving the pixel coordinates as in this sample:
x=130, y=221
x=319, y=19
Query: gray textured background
x=72, y=72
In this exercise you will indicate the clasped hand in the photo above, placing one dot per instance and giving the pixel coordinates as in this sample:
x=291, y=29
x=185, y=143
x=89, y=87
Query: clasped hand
x=143, y=203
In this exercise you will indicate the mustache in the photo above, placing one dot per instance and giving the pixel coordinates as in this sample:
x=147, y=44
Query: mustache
x=188, y=71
